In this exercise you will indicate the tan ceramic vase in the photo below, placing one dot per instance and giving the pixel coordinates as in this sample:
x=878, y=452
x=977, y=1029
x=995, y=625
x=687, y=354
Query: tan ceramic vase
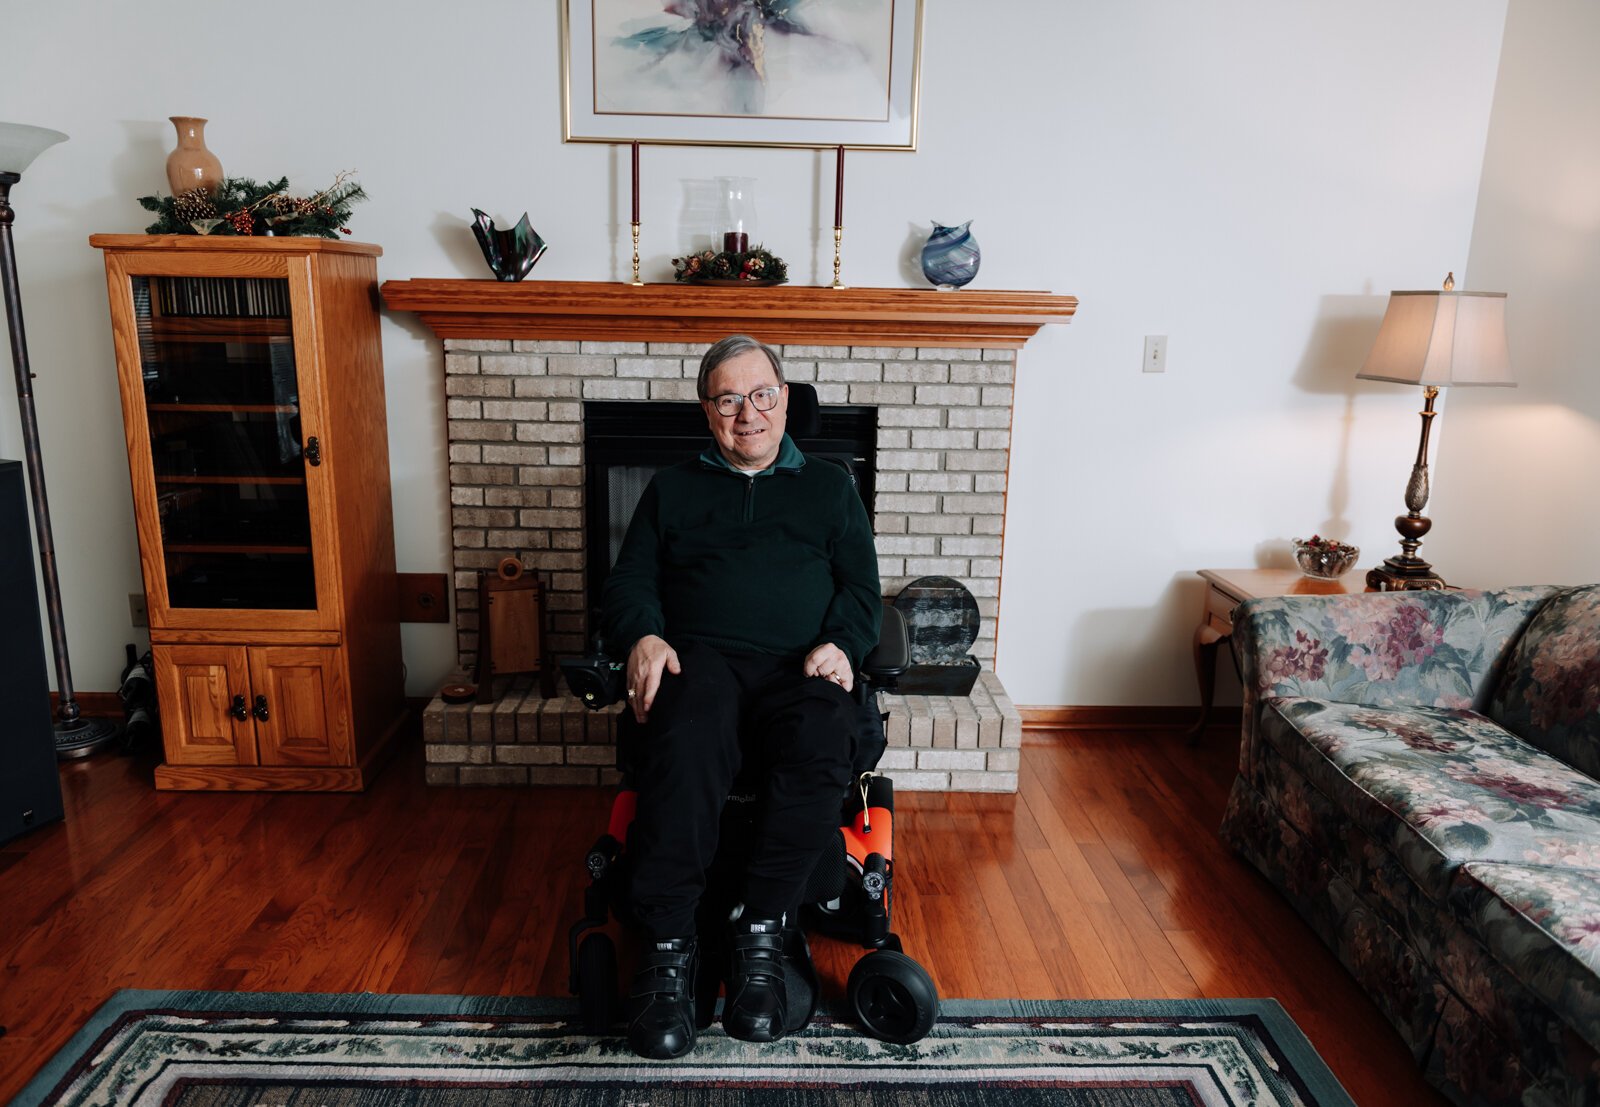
x=191, y=165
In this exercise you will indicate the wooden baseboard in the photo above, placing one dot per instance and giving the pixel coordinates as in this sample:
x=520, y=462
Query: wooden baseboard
x=1122, y=718
x=92, y=705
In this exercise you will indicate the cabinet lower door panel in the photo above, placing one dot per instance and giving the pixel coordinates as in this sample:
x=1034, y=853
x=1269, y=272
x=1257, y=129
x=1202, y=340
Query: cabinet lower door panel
x=198, y=686
x=301, y=692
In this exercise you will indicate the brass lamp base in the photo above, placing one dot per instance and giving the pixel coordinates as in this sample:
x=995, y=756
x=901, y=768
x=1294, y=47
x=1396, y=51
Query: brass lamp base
x=1405, y=574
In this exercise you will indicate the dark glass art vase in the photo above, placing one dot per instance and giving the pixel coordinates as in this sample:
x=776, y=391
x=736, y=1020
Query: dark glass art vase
x=950, y=258
x=510, y=254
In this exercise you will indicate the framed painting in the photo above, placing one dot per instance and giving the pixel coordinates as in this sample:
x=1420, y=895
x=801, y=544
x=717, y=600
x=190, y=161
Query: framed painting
x=742, y=72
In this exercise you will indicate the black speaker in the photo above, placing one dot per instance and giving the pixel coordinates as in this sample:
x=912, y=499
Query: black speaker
x=30, y=790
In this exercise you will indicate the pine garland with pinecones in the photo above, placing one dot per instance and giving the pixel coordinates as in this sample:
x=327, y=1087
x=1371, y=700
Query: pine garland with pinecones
x=757, y=265
x=241, y=206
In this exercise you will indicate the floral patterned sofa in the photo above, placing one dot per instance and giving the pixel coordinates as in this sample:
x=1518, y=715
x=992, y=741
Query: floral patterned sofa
x=1418, y=775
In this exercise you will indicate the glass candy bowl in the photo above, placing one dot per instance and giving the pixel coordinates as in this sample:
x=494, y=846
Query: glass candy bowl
x=1324, y=558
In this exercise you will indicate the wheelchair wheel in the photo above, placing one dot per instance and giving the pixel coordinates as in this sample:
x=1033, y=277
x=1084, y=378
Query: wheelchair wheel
x=597, y=983
x=893, y=997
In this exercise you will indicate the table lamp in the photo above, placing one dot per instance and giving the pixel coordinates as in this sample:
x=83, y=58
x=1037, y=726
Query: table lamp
x=1436, y=340
x=75, y=735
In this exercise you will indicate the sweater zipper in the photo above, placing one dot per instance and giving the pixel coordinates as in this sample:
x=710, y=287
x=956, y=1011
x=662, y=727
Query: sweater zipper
x=749, y=498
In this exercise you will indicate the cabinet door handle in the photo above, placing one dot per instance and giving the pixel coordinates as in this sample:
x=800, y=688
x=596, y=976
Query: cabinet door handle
x=313, y=451
x=238, y=710
x=260, y=710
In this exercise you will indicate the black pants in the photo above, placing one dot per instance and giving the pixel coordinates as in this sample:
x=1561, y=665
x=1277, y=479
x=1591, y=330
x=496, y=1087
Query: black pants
x=721, y=711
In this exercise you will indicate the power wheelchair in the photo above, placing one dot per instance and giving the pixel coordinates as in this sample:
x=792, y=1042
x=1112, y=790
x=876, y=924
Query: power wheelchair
x=849, y=894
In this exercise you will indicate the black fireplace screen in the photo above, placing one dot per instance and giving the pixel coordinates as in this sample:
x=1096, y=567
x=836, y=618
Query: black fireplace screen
x=624, y=443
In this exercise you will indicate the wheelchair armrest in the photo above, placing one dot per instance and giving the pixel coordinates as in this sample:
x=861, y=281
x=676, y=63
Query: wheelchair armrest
x=892, y=655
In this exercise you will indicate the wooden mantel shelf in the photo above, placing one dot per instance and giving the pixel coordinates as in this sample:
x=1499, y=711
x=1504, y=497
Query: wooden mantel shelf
x=697, y=313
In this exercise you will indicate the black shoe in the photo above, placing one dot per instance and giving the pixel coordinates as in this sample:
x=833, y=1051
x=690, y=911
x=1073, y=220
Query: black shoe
x=757, y=1004
x=661, y=1004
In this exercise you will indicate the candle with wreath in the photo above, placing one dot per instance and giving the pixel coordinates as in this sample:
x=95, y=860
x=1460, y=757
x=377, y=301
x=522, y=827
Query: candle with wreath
x=838, y=190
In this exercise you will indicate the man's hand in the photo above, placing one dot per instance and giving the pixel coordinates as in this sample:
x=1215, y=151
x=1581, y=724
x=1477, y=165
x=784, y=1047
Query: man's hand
x=829, y=662
x=649, y=656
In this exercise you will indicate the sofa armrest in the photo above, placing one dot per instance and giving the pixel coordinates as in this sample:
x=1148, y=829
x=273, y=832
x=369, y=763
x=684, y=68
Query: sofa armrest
x=1429, y=649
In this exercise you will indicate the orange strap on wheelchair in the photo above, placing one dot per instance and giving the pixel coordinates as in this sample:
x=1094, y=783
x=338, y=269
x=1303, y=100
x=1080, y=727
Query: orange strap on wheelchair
x=622, y=809
x=879, y=839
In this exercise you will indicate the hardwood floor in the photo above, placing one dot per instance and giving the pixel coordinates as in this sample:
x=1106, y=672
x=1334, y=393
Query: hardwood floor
x=1104, y=878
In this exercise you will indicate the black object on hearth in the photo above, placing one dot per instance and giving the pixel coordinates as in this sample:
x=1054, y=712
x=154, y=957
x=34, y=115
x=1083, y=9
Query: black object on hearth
x=30, y=791
x=942, y=622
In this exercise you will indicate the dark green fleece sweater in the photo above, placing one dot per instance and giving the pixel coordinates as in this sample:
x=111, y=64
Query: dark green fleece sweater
x=773, y=563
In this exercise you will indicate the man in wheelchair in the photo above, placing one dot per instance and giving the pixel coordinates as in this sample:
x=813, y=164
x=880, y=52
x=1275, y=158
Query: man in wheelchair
x=745, y=596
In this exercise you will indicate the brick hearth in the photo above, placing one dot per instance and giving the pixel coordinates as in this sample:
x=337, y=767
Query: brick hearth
x=936, y=743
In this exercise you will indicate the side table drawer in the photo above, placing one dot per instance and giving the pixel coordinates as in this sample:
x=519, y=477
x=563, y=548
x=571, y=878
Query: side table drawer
x=1219, y=608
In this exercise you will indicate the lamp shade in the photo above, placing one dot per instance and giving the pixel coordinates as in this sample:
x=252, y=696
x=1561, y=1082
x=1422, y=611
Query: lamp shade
x=1442, y=339
x=20, y=144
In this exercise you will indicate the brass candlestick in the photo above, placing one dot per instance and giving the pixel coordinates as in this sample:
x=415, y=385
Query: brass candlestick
x=636, y=279
x=838, y=237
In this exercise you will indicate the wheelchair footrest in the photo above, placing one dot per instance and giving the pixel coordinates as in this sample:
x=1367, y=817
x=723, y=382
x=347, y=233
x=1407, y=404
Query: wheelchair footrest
x=802, y=988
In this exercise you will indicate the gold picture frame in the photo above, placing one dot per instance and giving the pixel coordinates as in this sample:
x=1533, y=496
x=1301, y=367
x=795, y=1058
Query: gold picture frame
x=826, y=73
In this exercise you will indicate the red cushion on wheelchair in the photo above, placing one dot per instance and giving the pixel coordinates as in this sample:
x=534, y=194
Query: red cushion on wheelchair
x=622, y=809
x=866, y=835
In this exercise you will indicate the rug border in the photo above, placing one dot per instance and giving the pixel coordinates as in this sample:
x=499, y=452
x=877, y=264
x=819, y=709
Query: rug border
x=1321, y=1084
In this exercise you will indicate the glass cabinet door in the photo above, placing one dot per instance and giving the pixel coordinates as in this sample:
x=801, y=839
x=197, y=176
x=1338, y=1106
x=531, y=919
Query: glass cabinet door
x=222, y=403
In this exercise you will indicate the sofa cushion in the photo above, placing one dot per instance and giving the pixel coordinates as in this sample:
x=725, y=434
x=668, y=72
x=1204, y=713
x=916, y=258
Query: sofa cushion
x=1542, y=925
x=1388, y=649
x=1549, y=691
x=1391, y=649
x=1439, y=786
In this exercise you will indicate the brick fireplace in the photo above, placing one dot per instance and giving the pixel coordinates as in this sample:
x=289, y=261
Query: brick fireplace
x=521, y=360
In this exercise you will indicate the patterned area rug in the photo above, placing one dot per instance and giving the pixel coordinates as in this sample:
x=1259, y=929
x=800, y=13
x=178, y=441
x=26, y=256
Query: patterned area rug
x=222, y=1049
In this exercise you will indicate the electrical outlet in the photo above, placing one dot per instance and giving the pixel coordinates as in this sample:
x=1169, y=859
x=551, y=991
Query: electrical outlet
x=1155, y=353
x=138, y=610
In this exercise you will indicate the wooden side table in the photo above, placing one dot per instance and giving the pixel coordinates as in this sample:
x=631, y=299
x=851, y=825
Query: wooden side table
x=1226, y=589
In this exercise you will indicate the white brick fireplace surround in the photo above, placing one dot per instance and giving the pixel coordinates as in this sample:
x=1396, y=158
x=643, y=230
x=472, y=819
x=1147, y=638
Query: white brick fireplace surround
x=515, y=411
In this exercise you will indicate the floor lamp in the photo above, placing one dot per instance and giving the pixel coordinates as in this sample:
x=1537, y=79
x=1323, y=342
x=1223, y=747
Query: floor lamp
x=75, y=735
x=1436, y=340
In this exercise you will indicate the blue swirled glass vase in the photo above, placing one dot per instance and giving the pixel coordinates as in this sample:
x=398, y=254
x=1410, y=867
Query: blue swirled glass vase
x=950, y=258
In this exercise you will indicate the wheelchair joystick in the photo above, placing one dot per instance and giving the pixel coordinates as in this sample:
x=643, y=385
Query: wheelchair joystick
x=597, y=680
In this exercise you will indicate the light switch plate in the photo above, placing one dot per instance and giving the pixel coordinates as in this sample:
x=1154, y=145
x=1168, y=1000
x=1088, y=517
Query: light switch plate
x=1155, y=353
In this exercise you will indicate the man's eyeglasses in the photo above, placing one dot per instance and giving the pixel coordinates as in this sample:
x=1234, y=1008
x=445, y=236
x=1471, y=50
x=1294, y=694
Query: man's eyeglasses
x=762, y=399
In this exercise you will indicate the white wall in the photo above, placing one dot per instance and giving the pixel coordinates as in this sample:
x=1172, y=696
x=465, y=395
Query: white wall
x=1518, y=497
x=1247, y=177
